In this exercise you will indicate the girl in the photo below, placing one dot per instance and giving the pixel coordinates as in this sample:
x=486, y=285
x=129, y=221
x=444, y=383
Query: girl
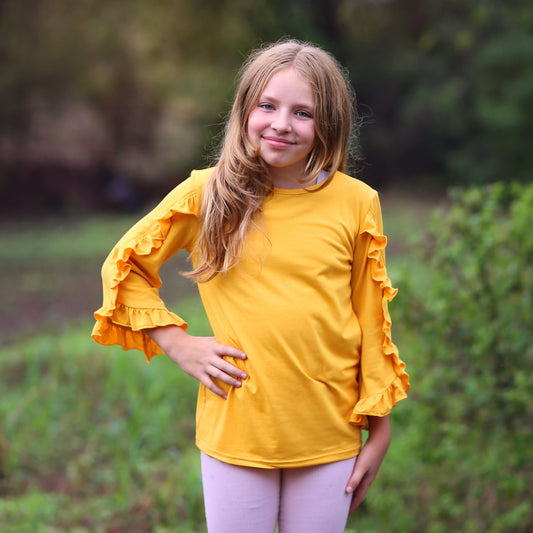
x=289, y=255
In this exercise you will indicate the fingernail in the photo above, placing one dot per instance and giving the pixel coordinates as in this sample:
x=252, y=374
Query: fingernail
x=349, y=489
x=243, y=376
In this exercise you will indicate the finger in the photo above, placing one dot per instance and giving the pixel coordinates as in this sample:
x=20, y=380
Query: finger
x=359, y=494
x=230, y=351
x=219, y=374
x=228, y=368
x=356, y=501
x=354, y=480
x=208, y=382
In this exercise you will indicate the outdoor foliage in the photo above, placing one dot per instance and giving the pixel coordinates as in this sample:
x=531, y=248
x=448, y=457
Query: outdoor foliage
x=447, y=87
x=103, y=103
x=97, y=442
x=465, y=460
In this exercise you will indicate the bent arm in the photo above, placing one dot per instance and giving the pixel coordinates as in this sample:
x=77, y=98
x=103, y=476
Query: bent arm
x=200, y=357
x=130, y=274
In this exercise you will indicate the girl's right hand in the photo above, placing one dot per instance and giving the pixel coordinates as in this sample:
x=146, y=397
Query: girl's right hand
x=200, y=357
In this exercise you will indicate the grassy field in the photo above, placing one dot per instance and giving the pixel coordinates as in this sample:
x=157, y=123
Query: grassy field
x=96, y=441
x=93, y=439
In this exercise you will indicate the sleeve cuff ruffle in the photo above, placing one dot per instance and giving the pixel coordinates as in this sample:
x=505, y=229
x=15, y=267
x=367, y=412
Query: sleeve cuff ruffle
x=117, y=323
x=380, y=404
x=126, y=325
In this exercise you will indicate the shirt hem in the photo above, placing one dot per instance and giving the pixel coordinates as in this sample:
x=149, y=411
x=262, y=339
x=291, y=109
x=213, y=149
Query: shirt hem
x=284, y=463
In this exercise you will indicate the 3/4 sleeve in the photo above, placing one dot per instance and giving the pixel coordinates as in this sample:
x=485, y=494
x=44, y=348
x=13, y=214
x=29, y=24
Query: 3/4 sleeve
x=130, y=274
x=382, y=377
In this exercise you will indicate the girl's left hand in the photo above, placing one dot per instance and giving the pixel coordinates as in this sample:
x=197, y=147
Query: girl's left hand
x=369, y=459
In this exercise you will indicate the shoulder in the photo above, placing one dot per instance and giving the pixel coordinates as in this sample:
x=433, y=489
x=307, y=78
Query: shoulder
x=188, y=193
x=354, y=201
x=200, y=177
x=196, y=181
x=358, y=197
x=353, y=186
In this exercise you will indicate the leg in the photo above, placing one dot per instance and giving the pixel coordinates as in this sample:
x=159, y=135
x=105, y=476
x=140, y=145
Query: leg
x=313, y=498
x=239, y=499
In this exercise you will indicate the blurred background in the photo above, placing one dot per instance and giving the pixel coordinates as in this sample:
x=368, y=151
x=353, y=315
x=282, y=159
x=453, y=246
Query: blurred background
x=104, y=103
x=106, y=106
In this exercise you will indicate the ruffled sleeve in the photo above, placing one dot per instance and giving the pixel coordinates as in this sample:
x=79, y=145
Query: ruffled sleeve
x=131, y=282
x=382, y=379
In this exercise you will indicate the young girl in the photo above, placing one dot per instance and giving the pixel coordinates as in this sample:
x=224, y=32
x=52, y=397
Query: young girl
x=288, y=254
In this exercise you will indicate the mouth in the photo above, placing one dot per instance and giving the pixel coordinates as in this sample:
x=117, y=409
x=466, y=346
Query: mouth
x=277, y=142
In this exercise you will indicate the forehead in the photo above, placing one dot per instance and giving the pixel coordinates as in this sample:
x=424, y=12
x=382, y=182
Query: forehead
x=288, y=83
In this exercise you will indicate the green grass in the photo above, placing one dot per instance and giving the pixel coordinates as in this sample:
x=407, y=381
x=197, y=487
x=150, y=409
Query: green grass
x=57, y=239
x=94, y=438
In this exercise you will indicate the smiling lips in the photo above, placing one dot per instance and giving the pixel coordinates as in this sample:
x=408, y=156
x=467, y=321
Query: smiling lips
x=277, y=142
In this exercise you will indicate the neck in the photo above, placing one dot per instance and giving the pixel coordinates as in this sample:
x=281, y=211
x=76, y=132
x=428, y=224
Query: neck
x=289, y=181
x=286, y=178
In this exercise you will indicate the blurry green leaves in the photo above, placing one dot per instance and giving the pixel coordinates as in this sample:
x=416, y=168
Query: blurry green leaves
x=472, y=321
x=450, y=84
x=94, y=442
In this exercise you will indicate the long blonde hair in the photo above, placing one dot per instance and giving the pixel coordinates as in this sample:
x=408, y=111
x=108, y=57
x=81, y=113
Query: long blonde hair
x=235, y=192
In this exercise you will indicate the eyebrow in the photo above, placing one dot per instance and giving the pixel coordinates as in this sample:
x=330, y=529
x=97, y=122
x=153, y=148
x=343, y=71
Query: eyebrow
x=306, y=105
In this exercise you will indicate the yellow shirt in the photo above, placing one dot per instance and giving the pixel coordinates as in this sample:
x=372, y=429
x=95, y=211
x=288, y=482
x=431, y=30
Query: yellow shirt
x=307, y=304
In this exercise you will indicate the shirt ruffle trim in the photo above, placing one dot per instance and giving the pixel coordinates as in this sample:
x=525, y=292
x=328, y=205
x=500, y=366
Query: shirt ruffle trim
x=122, y=325
x=381, y=404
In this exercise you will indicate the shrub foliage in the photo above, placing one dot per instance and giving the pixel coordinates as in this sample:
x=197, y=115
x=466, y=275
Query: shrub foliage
x=469, y=316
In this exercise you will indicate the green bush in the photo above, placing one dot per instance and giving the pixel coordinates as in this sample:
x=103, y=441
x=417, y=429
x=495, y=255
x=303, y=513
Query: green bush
x=465, y=461
x=94, y=440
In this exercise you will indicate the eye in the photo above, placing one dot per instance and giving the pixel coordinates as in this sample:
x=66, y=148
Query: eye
x=266, y=107
x=303, y=114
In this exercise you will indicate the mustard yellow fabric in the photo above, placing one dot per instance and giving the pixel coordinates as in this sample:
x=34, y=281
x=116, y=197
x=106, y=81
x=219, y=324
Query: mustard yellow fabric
x=308, y=304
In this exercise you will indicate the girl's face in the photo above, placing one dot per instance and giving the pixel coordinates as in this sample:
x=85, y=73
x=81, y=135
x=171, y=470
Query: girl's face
x=282, y=126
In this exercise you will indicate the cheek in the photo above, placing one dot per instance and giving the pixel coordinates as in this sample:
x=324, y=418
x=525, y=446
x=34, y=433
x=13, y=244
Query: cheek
x=312, y=137
x=253, y=126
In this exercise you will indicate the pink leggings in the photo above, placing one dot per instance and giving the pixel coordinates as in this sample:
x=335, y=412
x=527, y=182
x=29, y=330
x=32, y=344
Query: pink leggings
x=310, y=499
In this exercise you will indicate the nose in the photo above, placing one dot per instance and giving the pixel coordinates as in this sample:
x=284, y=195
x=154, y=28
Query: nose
x=281, y=122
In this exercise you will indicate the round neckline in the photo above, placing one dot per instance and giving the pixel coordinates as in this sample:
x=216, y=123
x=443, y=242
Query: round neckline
x=303, y=190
